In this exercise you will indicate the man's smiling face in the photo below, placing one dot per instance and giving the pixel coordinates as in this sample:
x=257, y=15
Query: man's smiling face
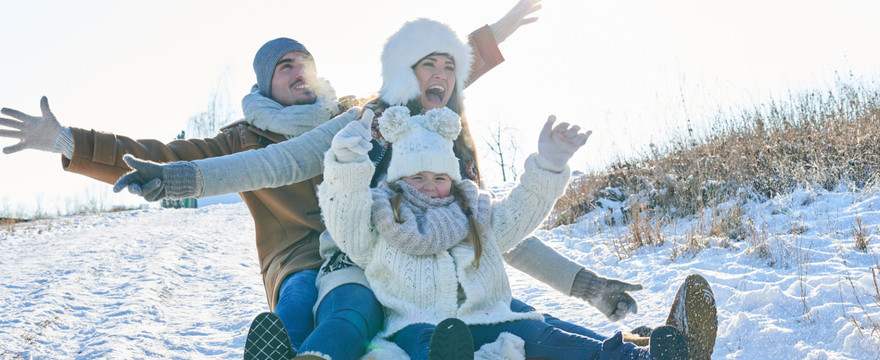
x=293, y=79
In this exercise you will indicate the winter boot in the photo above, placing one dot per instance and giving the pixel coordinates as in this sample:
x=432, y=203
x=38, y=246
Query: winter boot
x=668, y=343
x=267, y=339
x=694, y=313
x=637, y=340
x=451, y=340
x=309, y=357
x=642, y=330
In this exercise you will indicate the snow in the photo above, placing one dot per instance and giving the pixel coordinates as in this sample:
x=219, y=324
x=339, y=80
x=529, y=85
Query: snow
x=185, y=283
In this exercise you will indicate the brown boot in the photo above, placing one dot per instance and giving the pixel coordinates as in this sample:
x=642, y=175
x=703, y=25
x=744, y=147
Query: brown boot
x=694, y=313
x=636, y=339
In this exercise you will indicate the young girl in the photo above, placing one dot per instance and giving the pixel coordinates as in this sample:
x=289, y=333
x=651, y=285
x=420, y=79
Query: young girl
x=430, y=242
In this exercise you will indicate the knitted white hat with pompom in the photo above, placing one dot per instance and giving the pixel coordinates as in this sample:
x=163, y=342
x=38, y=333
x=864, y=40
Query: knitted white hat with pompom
x=415, y=40
x=422, y=142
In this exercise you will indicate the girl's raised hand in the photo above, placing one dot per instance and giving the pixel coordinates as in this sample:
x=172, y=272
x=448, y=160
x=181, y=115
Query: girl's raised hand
x=557, y=144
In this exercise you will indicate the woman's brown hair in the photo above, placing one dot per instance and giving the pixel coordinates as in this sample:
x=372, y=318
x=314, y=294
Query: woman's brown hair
x=464, y=147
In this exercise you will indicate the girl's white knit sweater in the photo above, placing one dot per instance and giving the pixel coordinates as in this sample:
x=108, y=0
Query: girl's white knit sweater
x=425, y=289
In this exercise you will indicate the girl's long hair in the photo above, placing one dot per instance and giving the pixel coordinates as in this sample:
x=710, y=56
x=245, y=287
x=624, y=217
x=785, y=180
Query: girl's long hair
x=473, y=229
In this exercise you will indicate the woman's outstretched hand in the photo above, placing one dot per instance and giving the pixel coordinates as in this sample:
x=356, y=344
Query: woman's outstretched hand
x=154, y=181
x=144, y=180
x=515, y=18
x=610, y=296
x=557, y=144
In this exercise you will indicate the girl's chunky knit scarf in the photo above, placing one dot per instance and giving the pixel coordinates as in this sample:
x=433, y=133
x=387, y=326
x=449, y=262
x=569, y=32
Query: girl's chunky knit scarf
x=430, y=225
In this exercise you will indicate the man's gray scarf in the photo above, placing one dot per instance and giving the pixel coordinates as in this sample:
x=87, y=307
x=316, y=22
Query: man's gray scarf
x=430, y=225
x=291, y=121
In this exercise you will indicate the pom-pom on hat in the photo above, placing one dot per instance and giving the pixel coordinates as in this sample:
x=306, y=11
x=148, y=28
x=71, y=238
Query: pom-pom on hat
x=421, y=143
x=267, y=57
x=415, y=40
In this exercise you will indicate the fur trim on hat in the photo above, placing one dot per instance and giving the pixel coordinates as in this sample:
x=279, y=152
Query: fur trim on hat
x=415, y=40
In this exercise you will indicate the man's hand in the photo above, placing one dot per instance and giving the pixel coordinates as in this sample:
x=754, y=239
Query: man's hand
x=33, y=132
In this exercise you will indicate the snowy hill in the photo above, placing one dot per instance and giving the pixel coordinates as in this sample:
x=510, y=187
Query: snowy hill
x=184, y=283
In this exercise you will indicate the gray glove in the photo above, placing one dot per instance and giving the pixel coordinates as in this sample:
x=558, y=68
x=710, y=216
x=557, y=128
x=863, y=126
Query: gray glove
x=606, y=295
x=515, y=18
x=352, y=143
x=557, y=144
x=154, y=181
x=34, y=132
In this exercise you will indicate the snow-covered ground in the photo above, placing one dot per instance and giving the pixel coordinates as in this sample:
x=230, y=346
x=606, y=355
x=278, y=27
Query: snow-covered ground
x=184, y=284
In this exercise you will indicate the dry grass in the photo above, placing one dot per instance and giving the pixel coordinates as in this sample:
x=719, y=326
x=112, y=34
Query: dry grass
x=8, y=224
x=869, y=326
x=802, y=255
x=757, y=238
x=825, y=139
x=860, y=236
x=643, y=229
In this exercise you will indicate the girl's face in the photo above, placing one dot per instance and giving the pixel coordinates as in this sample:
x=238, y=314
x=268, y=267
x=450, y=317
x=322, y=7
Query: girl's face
x=431, y=184
x=436, y=74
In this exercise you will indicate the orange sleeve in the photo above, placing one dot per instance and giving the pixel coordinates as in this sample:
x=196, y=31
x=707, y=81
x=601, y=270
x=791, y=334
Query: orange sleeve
x=486, y=53
x=99, y=154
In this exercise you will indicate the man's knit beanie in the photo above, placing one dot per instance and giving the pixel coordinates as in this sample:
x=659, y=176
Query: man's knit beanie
x=267, y=57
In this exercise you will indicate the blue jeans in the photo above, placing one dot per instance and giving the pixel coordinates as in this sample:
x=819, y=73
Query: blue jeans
x=542, y=340
x=521, y=307
x=348, y=318
x=296, y=297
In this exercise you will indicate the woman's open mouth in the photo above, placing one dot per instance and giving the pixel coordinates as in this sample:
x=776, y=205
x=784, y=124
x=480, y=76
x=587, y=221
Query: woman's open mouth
x=435, y=94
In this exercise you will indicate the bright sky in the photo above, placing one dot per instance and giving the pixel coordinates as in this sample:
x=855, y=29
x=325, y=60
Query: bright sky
x=620, y=68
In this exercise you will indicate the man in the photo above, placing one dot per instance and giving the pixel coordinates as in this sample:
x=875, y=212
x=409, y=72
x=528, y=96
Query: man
x=289, y=100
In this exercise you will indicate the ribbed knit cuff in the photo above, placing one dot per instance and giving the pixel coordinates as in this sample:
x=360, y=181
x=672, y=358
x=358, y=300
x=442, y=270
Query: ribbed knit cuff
x=182, y=180
x=548, y=165
x=349, y=177
x=64, y=143
x=543, y=181
x=587, y=285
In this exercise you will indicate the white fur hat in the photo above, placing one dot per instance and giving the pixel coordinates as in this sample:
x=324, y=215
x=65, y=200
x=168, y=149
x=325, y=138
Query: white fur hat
x=422, y=142
x=415, y=40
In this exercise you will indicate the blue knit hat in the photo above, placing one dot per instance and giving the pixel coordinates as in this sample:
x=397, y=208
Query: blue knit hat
x=267, y=57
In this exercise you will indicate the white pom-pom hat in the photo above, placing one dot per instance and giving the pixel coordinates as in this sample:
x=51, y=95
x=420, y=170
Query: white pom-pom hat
x=415, y=40
x=421, y=142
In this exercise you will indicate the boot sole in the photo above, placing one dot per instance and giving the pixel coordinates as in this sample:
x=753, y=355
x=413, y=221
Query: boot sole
x=267, y=339
x=452, y=340
x=700, y=325
x=668, y=343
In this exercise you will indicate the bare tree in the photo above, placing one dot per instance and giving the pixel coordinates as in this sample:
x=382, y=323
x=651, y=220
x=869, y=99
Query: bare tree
x=206, y=124
x=219, y=112
x=503, y=144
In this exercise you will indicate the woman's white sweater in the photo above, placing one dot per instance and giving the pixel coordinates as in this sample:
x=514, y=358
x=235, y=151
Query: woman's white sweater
x=425, y=289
